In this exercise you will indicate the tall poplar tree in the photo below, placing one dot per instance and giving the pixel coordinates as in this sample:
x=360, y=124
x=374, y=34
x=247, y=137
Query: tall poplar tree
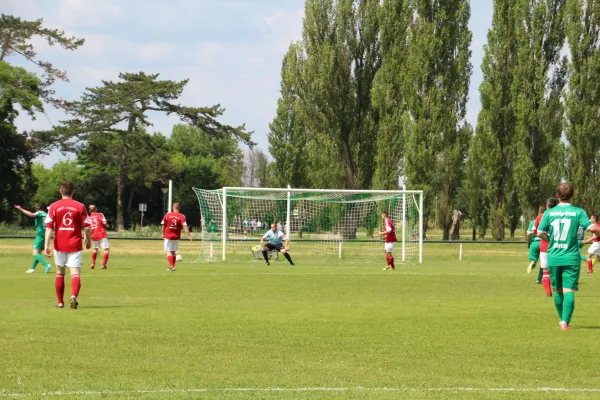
x=388, y=97
x=496, y=121
x=436, y=84
x=342, y=44
x=540, y=78
x=287, y=135
x=583, y=100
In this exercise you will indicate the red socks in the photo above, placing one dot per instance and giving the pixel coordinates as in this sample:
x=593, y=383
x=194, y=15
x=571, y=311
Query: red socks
x=105, y=259
x=75, y=285
x=94, y=255
x=59, y=286
x=390, y=260
x=590, y=266
x=546, y=282
x=171, y=259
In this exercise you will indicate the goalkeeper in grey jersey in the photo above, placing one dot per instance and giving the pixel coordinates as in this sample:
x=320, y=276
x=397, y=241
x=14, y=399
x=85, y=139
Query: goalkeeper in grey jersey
x=275, y=239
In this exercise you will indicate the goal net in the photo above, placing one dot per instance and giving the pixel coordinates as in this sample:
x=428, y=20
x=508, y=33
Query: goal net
x=329, y=224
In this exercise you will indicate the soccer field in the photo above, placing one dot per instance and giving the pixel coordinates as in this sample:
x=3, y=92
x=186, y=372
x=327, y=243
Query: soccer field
x=476, y=329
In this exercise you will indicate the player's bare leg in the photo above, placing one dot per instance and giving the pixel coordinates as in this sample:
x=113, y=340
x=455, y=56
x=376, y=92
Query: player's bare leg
x=75, y=286
x=172, y=257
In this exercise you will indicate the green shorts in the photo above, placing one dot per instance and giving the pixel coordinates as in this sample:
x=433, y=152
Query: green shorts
x=534, y=251
x=566, y=277
x=38, y=243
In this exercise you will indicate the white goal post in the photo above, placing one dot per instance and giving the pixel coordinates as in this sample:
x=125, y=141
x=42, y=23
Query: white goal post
x=339, y=223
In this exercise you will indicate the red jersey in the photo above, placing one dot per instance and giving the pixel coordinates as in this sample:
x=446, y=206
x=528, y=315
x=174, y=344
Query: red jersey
x=390, y=237
x=67, y=217
x=596, y=237
x=173, y=223
x=543, y=243
x=98, y=223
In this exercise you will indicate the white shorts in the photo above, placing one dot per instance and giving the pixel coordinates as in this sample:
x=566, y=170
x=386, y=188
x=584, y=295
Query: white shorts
x=71, y=260
x=389, y=247
x=543, y=260
x=103, y=242
x=171, y=245
x=594, y=249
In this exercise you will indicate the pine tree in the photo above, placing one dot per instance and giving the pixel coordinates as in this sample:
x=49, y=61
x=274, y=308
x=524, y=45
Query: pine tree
x=436, y=84
x=120, y=109
x=583, y=98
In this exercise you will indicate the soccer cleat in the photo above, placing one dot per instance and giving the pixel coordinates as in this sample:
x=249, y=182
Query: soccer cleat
x=92, y=267
x=73, y=304
x=103, y=267
x=292, y=265
x=60, y=305
x=563, y=325
x=47, y=269
x=30, y=271
x=171, y=269
x=530, y=267
x=538, y=282
x=267, y=264
x=388, y=268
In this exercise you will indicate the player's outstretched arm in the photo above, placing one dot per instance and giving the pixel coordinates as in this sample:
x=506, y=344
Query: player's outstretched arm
x=187, y=232
x=595, y=229
x=24, y=211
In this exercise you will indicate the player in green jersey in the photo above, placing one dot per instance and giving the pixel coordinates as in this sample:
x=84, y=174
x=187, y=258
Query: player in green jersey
x=40, y=227
x=533, y=242
x=560, y=226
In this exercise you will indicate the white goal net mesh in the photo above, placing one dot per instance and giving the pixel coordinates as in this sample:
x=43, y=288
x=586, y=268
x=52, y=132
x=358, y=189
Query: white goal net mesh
x=327, y=224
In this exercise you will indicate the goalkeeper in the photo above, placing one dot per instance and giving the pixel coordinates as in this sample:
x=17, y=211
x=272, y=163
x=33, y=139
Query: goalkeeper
x=275, y=238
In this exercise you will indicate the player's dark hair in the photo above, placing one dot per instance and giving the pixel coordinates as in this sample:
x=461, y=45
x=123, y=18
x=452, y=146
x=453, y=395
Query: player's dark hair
x=564, y=191
x=541, y=210
x=385, y=213
x=40, y=206
x=551, y=202
x=67, y=188
x=595, y=217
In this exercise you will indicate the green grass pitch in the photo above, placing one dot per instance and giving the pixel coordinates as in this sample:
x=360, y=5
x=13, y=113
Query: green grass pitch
x=326, y=329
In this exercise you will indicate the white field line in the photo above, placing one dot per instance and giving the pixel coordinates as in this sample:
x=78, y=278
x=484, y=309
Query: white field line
x=294, y=273
x=5, y=394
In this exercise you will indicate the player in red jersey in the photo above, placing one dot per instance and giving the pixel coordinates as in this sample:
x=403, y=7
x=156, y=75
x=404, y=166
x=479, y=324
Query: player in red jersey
x=594, y=249
x=389, y=234
x=172, y=223
x=550, y=203
x=67, y=218
x=99, y=225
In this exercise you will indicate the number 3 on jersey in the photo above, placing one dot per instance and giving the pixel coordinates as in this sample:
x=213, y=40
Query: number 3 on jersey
x=561, y=235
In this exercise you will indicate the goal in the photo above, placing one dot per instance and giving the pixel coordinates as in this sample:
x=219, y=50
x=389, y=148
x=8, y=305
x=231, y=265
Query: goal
x=329, y=224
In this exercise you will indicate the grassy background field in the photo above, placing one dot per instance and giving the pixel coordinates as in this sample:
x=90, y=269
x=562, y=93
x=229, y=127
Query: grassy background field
x=424, y=331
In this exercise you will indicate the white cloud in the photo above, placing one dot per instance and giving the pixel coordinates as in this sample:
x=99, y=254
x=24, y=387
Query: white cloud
x=155, y=51
x=84, y=13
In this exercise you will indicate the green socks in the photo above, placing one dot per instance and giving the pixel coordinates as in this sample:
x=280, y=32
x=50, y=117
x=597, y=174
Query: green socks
x=583, y=258
x=558, y=303
x=35, y=263
x=40, y=259
x=539, y=278
x=568, y=307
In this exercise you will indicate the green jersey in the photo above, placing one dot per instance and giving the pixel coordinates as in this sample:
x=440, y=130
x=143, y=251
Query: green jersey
x=534, y=237
x=562, y=223
x=40, y=226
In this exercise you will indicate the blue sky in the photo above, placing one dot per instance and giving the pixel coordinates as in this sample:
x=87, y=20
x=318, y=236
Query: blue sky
x=231, y=51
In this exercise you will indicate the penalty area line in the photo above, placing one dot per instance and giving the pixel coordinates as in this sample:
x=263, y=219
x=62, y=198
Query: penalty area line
x=5, y=394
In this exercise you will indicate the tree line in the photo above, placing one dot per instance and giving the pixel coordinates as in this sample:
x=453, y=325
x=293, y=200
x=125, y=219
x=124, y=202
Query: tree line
x=374, y=91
